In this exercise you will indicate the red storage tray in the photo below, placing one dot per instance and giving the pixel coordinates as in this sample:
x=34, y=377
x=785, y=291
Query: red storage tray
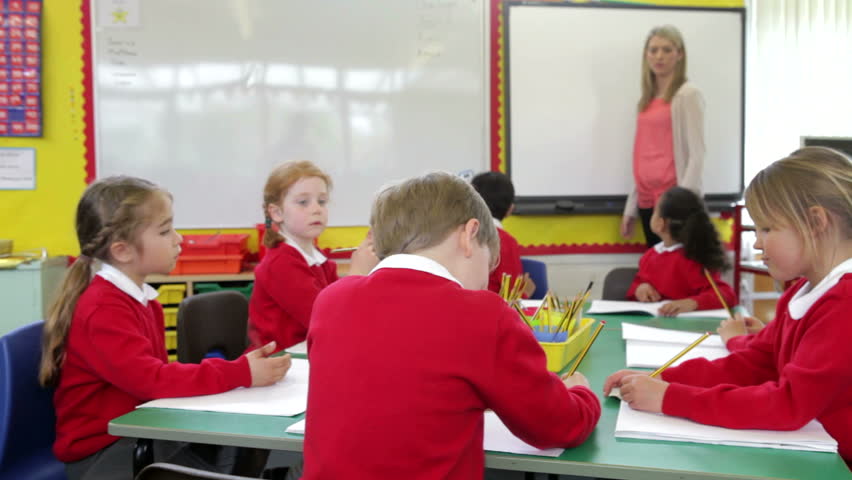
x=200, y=264
x=215, y=244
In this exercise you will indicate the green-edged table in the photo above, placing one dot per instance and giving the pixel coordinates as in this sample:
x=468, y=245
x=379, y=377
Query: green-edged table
x=602, y=455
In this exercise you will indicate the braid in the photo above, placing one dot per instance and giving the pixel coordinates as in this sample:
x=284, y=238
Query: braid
x=109, y=211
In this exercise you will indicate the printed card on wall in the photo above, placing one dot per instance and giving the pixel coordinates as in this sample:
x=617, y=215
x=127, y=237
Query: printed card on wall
x=20, y=68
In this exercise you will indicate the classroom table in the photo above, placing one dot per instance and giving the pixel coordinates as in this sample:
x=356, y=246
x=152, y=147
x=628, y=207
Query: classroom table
x=602, y=455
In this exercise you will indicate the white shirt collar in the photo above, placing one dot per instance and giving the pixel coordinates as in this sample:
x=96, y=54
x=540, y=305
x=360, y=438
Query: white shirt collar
x=497, y=223
x=661, y=248
x=416, y=262
x=807, y=296
x=313, y=258
x=125, y=284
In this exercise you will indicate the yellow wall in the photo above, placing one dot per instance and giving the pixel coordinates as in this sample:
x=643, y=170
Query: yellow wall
x=44, y=217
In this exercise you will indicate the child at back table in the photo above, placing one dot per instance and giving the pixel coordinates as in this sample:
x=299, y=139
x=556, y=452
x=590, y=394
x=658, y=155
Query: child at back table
x=797, y=368
x=405, y=361
x=293, y=271
x=103, y=344
x=674, y=268
x=499, y=194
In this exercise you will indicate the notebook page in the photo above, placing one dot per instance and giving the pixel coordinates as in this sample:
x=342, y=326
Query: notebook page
x=653, y=426
x=639, y=354
x=286, y=398
x=632, y=331
x=498, y=438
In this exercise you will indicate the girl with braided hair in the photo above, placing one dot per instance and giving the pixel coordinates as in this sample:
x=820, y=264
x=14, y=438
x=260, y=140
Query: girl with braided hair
x=103, y=347
x=674, y=268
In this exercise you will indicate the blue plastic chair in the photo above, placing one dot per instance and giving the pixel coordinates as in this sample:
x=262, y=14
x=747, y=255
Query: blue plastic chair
x=538, y=273
x=27, y=419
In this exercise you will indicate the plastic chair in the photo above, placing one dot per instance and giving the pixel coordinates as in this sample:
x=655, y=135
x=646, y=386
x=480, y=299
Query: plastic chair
x=212, y=322
x=617, y=282
x=27, y=418
x=538, y=273
x=170, y=471
x=215, y=324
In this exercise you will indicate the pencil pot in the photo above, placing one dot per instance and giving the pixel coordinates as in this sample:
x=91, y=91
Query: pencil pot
x=544, y=334
x=560, y=353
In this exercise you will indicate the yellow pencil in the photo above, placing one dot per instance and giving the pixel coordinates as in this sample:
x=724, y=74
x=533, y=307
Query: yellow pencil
x=718, y=294
x=682, y=353
x=585, y=349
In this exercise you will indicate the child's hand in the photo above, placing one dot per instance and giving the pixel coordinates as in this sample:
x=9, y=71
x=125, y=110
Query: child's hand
x=529, y=288
x=266, y=370
x=642, y=392
x=739, y=325
x=646, y=292
x=364, y=258
x=730, y=328
x=752, y=324
x=627, y=224
x=674, y=307
x=615, y=379
x=576, y=379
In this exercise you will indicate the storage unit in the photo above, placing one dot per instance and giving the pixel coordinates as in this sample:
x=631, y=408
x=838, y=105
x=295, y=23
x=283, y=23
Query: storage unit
x=27, y=291
x=243, y=287
x=210, y=254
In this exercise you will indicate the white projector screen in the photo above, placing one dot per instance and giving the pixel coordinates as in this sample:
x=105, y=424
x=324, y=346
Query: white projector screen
x=573, y=87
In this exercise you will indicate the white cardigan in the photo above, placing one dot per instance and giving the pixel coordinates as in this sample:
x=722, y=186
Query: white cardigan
x=688, y=139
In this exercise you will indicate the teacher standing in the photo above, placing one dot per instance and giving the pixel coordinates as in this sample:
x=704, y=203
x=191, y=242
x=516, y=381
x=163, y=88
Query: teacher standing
x=669, y=146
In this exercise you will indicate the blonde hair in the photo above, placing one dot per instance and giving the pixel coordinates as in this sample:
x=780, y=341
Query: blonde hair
x=784, y=192
x=649, y=80
x=279, y=182
x=111, y=209
x=421, y=212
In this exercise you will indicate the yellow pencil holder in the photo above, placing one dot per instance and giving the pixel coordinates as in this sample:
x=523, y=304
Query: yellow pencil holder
x=560, y=354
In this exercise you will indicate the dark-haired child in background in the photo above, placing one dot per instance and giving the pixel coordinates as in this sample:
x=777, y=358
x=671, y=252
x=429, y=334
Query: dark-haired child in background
x=674, y=268
x=499, y=194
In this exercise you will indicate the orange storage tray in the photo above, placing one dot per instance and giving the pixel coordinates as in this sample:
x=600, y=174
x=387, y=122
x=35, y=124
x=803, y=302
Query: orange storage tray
x=200, y=264
x=216, y=244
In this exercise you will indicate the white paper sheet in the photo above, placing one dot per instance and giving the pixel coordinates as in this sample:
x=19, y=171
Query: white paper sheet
x=298, y=428
x=527, y=303
x=649, y=347
x=641, y=308
x=286, y=398
x=652, y=426
x=632, y=331
x=498, y=438
x=639, y=354
x=301, y=347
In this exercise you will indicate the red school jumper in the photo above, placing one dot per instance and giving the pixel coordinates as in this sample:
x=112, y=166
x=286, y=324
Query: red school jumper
x=510, y=260
x=115, y=359
x=403, y=364
x=792, y=371
x=285, y=287
x=676, y=277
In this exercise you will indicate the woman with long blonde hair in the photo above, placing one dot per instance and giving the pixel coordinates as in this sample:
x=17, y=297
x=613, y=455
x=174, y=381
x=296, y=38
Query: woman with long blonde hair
x=668, y=149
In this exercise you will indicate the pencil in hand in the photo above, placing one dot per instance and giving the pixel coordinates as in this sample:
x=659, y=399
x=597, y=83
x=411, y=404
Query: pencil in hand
x=718, y=293
x=682, y=353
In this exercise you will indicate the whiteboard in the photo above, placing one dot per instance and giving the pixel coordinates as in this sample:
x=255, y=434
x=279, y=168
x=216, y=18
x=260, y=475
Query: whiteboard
x=574, y=83
x=205, y=96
